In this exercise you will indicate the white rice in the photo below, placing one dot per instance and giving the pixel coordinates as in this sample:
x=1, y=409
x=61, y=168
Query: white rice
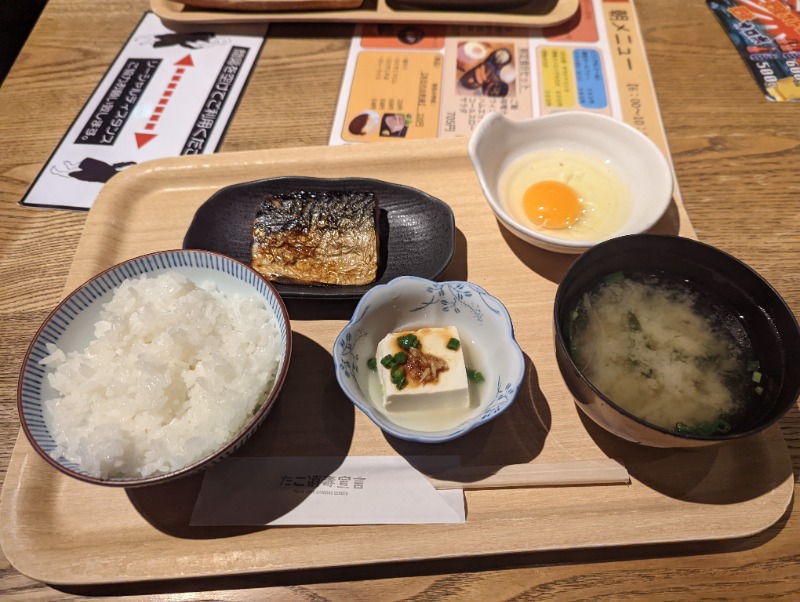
x=173, y=373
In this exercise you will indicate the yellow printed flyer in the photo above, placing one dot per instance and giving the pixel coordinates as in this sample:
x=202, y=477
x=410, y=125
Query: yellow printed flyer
x=407, y=81
x=399, y=96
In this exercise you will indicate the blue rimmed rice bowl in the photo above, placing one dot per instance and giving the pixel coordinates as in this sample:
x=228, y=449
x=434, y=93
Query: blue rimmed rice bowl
x=71, y=327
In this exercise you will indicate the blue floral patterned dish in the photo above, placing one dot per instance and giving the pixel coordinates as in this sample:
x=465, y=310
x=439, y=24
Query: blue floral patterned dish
x=410, y=302
x=71, y=326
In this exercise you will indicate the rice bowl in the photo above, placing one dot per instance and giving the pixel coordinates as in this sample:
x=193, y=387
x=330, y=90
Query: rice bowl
x=154, y=368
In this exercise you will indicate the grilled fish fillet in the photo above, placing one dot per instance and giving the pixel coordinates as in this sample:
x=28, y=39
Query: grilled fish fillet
x=317, y=238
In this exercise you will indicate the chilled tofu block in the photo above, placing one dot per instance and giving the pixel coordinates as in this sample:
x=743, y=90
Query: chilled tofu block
x=435, y=376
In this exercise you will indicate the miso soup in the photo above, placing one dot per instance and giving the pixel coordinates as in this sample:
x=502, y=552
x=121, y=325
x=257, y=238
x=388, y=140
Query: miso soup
x=666, y=353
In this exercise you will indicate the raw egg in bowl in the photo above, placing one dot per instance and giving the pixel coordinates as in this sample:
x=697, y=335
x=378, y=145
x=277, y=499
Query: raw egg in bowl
x=567, y=181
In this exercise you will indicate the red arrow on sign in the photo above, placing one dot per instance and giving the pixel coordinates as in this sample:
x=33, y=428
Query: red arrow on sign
x=143, y=138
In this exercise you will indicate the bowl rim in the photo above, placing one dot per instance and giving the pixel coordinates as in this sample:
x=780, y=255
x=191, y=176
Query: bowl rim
x=560, y=339
x=405, y=433
x=244, y=432
x=660, y=163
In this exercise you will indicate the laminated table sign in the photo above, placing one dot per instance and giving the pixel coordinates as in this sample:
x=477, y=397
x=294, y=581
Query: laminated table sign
x=407, y=81
x=169, y=92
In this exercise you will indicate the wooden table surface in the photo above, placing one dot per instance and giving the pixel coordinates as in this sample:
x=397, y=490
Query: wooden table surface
x=736, y=158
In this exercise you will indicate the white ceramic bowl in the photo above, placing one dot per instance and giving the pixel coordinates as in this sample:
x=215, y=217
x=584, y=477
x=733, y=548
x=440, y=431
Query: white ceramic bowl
x=498, y=141
x=408, y=302
x=71, y=327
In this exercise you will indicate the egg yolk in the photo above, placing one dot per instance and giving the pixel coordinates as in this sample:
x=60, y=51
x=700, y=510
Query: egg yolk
x=552, y=204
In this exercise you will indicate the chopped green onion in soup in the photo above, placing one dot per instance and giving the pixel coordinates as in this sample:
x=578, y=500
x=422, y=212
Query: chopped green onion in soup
x=664, y=352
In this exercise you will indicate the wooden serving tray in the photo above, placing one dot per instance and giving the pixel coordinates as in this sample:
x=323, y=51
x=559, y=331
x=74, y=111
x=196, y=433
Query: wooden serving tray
x=59, y=530
x=536, y=13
